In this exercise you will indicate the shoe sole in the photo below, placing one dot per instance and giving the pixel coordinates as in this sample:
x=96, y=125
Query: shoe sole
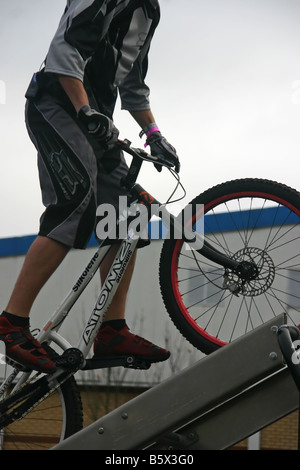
x=128, y=361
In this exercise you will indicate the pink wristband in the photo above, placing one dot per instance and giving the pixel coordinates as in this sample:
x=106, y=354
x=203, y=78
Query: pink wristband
x=148, y=130
x=153, y=129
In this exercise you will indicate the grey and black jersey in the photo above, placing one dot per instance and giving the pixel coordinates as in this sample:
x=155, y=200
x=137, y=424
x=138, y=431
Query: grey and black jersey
x=105, y=44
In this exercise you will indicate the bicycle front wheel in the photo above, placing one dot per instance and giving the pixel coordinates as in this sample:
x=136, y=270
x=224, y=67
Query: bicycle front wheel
x=45, y=422
x=250, y=220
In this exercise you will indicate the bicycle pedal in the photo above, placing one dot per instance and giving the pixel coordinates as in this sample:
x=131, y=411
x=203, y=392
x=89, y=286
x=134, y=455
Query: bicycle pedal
x=129, y=362
x=137, y=363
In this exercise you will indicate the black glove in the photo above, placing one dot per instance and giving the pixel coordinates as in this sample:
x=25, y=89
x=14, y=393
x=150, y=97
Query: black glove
x=98, y=125
x=160, y=147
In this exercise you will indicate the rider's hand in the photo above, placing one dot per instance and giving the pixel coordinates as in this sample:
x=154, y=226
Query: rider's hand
x=98, y=125
x=160, y=147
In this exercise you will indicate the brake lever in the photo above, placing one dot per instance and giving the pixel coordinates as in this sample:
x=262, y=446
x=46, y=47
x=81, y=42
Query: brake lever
x=138, y=152
x=163, y=162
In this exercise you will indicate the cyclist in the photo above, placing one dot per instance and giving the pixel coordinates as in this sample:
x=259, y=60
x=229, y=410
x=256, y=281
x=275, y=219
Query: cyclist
x=100, y=49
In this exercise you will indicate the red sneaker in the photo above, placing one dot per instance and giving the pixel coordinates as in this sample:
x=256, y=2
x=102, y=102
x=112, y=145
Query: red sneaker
x=110, y=342
x=22, y=348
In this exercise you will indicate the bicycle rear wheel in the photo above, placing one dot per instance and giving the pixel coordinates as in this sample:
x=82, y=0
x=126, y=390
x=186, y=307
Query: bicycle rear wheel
x=248, y=220
x=44, y=424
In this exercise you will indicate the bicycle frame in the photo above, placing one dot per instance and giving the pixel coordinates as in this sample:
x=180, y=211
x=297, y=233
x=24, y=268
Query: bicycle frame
x=127, y=247
x=138, y=196
x=50, y=330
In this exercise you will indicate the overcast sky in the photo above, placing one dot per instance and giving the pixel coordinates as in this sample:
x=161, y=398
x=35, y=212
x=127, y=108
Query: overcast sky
x=225, y=91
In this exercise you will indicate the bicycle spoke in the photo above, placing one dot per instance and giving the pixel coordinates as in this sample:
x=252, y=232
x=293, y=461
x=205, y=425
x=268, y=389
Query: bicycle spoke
x=248, y=221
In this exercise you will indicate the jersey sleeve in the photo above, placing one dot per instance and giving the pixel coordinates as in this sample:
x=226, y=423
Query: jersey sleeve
x=134, y=93
x=133, y=90
x=81, y=28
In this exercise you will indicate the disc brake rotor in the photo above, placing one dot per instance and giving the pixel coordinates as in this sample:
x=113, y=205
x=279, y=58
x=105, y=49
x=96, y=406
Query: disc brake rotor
x=263, y=280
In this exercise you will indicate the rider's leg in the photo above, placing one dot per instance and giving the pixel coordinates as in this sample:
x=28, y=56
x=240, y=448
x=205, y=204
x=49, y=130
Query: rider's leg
x=67, y=169
x=114, y=337
x=42, y=259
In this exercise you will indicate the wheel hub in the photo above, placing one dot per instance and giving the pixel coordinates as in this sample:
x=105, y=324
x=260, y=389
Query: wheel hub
x=254, y=275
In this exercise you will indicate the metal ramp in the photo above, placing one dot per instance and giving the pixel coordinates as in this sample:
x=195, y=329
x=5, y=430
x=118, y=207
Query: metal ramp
x=219, y=401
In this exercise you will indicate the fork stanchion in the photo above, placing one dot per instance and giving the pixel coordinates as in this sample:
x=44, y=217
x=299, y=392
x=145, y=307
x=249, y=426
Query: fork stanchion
x=289, y=342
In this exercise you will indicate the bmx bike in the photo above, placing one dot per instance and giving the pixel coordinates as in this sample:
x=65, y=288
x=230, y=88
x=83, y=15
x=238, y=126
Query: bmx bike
x=218, y=282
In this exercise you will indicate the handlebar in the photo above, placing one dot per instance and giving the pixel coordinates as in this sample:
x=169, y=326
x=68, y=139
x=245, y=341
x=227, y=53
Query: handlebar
x=142, y=155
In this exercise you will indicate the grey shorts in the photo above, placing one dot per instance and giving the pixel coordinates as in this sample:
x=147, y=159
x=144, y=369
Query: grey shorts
x=75, y=176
